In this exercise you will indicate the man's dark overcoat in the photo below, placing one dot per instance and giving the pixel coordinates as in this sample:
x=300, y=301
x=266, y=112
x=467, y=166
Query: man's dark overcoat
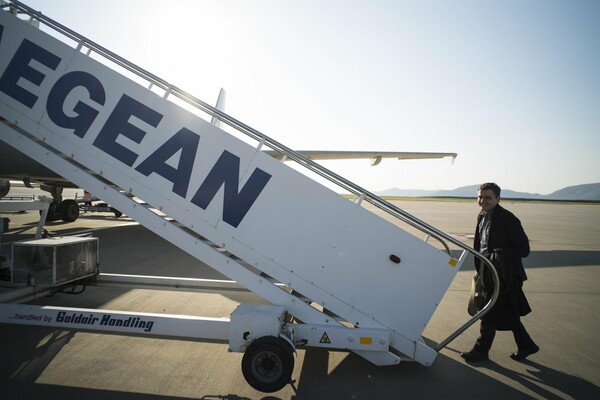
x=507, y=244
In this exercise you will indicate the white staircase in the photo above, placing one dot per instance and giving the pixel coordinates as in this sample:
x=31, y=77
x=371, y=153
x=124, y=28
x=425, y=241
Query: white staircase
x=250, y=217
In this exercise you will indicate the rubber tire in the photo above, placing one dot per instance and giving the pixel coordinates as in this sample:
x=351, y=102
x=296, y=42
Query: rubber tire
x=52, y=214
x=68, y=210
x=118, y=214
x=4, y=187
x=268, y=364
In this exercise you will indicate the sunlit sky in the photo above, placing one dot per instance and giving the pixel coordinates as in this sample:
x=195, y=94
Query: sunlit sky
x=511, y=86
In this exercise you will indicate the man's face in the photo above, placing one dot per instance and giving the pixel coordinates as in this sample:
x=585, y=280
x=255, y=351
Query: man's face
x=486, y=199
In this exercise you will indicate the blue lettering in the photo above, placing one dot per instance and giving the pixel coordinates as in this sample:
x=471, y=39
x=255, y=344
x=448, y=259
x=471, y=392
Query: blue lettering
x=85, y=114
x=126, y=121
x=185, y=141
x=118, y=124
x=226, y=171
x=19, y=68
x=61, y=316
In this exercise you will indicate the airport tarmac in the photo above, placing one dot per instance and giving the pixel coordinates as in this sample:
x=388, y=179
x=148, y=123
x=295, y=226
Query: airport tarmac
x=563, y=290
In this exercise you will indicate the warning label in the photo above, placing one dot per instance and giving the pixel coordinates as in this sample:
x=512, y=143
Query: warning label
x=325, y=338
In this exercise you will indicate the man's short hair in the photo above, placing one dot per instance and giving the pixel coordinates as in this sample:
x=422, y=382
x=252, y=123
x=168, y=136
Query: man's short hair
x=490, y=186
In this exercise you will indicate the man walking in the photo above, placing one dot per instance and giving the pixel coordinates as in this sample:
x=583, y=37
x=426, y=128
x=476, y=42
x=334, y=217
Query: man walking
x=501, y=238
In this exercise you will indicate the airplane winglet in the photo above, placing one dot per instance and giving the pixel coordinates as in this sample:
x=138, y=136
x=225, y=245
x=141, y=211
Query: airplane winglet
x=219, y=106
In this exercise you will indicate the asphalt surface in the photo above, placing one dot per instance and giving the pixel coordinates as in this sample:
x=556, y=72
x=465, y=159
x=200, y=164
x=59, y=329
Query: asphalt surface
x=563, y=290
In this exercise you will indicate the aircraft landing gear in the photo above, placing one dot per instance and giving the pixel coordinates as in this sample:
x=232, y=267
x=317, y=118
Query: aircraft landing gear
x=67, y=210
x=52, y=214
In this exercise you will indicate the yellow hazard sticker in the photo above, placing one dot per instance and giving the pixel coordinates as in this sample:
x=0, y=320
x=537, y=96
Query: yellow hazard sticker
x=325, y=338
x=366, y=340
x=453, y=262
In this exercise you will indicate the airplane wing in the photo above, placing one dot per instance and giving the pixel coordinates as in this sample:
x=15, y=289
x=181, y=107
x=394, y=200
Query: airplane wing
x=374, y=156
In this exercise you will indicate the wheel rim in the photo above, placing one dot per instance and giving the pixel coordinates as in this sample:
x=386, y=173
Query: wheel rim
x=267, y=367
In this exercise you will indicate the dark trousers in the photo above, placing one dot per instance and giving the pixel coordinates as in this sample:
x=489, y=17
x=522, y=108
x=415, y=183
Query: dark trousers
x=487, y=332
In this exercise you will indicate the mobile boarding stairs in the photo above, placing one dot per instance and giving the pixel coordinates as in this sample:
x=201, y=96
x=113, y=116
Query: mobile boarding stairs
x=336, y=275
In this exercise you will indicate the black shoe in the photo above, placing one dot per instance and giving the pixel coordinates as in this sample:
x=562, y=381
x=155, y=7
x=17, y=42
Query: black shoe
x=474, y=356
x=520, y=355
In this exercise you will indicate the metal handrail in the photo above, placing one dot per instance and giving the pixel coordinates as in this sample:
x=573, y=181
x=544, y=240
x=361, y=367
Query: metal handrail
x=275, y=145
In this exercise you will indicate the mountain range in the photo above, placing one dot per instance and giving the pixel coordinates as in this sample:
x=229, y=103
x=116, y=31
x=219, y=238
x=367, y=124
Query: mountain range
x=589, y=192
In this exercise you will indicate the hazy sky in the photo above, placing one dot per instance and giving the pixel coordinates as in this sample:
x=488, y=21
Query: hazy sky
x=512, y=86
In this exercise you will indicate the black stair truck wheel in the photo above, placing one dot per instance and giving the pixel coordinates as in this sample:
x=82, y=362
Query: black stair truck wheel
x=268, y=364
